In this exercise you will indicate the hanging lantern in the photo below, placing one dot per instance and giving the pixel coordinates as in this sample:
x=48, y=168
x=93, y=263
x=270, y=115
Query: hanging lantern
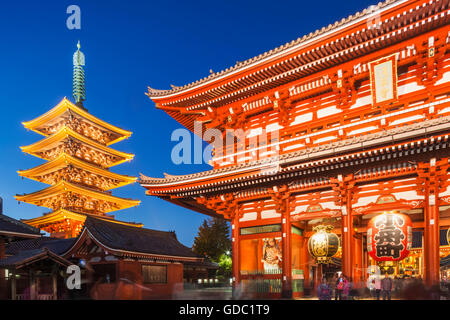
x=389, y=237
x=323, y=244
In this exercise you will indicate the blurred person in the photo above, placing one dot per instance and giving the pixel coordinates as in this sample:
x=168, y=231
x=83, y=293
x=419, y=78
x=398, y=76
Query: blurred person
x=347, y=288
x=324, y=290
x=340, y=284
x=335, y=284
x=397, y=286
x=371, y=287
x=386, y=287
x=377, y=287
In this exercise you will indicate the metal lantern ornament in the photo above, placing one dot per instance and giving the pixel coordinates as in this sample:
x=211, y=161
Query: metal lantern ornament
x=389, y=237
x=323, y=244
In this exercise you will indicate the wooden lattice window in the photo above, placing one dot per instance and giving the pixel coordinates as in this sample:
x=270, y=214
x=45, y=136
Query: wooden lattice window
x=154, y=274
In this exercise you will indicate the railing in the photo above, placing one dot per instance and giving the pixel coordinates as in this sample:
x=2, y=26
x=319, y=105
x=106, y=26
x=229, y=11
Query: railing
x=260, y=272
x=261, y=283
x=261, y=286
x=39, y=297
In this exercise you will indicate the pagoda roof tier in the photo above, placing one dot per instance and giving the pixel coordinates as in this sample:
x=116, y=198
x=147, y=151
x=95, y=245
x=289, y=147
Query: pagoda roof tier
x=65, y=188
x=63, y=214
x=254, y=173
x=64, y=160
x=350, y=39
x=63, y=111
x=65, y=134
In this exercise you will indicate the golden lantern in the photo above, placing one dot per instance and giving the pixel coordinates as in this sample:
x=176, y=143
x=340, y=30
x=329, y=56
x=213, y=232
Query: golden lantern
x=323, y=244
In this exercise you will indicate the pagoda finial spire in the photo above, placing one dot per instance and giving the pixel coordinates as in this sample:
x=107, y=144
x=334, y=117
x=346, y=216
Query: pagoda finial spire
x=79, y=92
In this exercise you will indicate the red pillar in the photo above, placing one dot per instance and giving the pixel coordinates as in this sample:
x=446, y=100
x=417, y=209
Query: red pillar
x=286, y=250
x=318, y=276
x=358, y=264
x=305, y=262
x=235, y=253
x=431, y=239
x=347, y=237
x=365, y=259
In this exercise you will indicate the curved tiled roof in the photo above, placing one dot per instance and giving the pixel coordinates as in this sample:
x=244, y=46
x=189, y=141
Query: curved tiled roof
x=10, y=225
x=56, y=245
x=138, y=240
x=243, y=64
x=32, y=256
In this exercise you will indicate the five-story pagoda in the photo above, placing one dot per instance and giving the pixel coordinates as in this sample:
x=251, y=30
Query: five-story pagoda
x=76, y=148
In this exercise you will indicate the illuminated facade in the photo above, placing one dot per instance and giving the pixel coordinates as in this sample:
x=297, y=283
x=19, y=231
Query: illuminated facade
x=352, y=121
x=76, y=148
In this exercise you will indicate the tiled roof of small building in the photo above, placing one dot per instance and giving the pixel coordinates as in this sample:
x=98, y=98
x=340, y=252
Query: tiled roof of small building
x=138, y=240
x=57, y=246
x=30, y=256
x=9, y=225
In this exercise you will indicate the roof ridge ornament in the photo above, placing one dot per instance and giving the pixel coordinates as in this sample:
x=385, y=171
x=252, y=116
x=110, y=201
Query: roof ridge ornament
x=154, y=91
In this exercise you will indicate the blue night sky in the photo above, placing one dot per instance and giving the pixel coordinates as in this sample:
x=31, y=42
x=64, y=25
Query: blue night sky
x=130, y=45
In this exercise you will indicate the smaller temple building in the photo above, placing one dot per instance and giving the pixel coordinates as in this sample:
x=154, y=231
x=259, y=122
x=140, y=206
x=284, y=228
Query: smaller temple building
x=12, y=230
x=115, y=261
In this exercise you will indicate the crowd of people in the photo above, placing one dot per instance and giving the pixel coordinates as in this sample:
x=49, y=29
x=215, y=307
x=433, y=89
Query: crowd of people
x=340, y=287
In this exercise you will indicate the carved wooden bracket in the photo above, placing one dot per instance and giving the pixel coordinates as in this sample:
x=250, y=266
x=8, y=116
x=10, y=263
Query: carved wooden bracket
x=222, y=119
x=225, y=205
x=283, y=104
x=343, y=188
x=430, y=61
x=343, y=85
x=284, y=200
x=433, y=175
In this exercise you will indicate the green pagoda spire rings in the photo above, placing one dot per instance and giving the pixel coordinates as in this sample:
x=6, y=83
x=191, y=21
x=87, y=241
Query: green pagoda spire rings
x=79, y=91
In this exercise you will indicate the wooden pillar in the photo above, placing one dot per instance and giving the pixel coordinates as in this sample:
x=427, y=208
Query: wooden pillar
x=305, y=262
x=433, y=177
x=32, y=283
x=13, y=286
x=342, y=187
x=432, y=242
x=318, y=276
x=358, y=266
x=286, y=251
x=235, y=253
x=347, y=237
x=55, y=284
x=365, y=262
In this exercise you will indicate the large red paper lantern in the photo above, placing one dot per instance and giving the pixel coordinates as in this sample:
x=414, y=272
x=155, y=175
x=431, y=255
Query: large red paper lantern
x=389, y=237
